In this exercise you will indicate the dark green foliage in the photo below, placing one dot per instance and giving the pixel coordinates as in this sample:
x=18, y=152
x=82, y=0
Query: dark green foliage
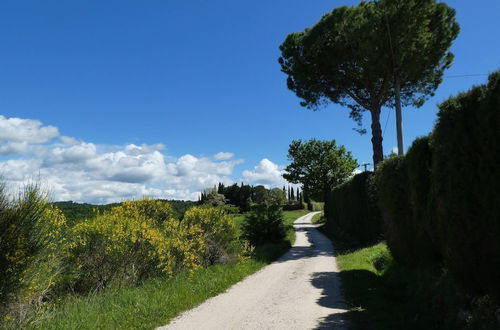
x=403, y=188
x=466, y=143
x=238, y=195
x=293, y=206
x=421, y=197
x=391, y=182
x=353, y=208
x=264, y=224
x=21, y=236
x=76, y=212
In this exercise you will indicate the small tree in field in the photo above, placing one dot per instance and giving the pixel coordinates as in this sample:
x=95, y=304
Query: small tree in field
x=265, y=222
x=318, y=166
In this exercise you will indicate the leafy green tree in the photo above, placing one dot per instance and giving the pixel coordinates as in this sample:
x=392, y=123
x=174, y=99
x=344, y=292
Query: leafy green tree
x=318, y=166
x=360, y=56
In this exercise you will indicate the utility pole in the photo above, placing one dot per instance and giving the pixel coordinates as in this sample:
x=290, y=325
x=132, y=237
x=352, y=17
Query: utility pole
x=399, y=117
x=365, y=166
x=397, y=92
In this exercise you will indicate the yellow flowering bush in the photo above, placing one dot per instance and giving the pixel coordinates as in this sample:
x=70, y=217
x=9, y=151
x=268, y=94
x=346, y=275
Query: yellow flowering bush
x=133, y=241
x=219, y=231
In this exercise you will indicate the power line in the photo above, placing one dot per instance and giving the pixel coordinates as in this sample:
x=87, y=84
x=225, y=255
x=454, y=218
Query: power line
x=467, y=75
x=386, y=121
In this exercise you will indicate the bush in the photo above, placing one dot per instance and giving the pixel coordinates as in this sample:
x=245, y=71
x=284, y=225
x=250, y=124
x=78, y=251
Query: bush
x=32, y=247
x=293, y=206
x=466, y=177
x=131, y=242
x=264, y=224
x=352, y=208
x=220, y=233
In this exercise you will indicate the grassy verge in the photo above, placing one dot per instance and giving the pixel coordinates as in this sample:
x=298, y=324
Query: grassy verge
x=318, y=218
x=152, y=304
x=382, y=294
x=157, y=301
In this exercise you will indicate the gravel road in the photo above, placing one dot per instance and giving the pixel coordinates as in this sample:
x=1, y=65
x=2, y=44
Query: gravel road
x=298, y=291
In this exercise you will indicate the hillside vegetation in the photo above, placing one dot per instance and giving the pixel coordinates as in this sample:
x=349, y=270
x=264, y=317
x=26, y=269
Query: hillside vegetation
x=106, y=266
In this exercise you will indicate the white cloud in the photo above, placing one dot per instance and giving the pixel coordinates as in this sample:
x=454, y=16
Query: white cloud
x=68, y=140
x=25, y=130
x=85, y=172
x=394, y=150
x=13, y=148
x=223, y=156
x=267, y=173
x=16, y=134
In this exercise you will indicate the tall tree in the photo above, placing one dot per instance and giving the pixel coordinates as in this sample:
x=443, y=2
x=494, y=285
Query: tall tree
x=318, y=166
x=362, y=57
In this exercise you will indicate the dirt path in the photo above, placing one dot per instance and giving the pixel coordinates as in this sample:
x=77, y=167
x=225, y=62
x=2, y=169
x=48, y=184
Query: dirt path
x=298, y=291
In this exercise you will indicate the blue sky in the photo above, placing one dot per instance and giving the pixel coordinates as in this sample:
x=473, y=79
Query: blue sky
x=105, y=100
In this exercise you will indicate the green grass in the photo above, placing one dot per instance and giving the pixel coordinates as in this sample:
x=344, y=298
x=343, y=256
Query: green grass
x=150, y=305
x=318, y=218
x=157, y=301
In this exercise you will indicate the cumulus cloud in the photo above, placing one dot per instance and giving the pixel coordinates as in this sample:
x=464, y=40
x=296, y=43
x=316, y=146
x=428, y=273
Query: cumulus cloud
x=267, y=173
x=223, y=155
x=16, y=134
x=84, y=172
x=13, y=148
x=25, y=130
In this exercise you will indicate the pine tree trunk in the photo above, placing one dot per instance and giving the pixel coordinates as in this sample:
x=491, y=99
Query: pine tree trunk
x=378, y=151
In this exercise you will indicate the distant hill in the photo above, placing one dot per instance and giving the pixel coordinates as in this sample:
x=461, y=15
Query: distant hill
x=76, y=212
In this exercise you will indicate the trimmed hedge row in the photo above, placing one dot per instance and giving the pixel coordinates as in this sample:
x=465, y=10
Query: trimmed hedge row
x=405, y=201
x=441, y=202
x=352, y=208
x=466, y=180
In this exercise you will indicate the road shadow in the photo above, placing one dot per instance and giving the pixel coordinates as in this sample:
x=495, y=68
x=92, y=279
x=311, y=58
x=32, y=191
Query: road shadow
x=331, y=297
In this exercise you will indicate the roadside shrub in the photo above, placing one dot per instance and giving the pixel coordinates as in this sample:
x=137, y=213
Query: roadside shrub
x=32, y=248
x=219, y=231
x=465, y=168
x=293, y=206
x=131, y=242
x=264, y=224
x=352, y=207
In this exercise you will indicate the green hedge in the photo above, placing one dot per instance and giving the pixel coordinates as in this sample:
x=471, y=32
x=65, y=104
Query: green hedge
x=441, y=202
x=403, y=186
x=466, y=143
x=421, y=198
x=352, y=208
